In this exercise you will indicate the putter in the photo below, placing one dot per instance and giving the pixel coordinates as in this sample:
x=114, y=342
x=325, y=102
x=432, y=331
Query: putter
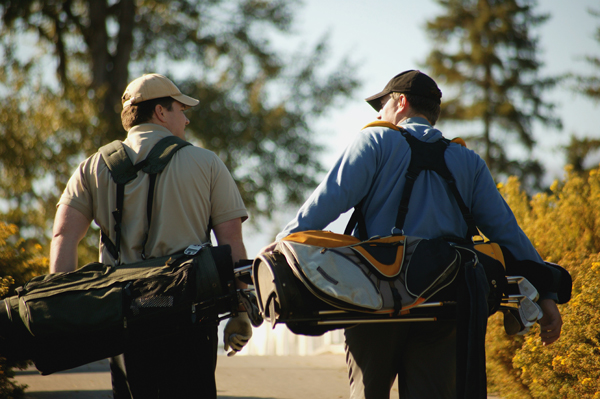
x=524, y=287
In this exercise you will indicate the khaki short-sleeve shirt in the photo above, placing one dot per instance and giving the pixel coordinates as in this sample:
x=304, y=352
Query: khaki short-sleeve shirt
x=193, y=189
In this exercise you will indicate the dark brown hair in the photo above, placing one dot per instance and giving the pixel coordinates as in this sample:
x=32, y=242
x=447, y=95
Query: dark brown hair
x=425, y=106
x=136, y=114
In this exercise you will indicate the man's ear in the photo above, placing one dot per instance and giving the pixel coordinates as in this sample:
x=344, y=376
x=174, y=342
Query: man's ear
x=403, y=103
x=159, y=112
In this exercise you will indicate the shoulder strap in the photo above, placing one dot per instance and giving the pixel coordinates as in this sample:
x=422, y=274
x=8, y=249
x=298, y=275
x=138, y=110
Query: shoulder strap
x=123, y=171
x=430, y=156
x=120, y=166
x=424, y=156
x=358, y=218
x=161, y=154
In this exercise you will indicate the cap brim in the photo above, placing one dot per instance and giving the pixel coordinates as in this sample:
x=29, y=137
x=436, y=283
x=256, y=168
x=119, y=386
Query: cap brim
x=374, y=100
x=186, y=100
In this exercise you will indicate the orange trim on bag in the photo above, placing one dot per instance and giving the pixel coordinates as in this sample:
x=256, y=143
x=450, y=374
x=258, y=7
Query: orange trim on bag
x=382, y=124
x=456, y=140
x=387, y=240
x=491, y=249
x=387, y=269
x=460, y=141
x=320, y=238
x=404, y=310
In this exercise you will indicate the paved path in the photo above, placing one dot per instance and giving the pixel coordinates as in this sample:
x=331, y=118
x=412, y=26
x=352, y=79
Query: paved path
x=238, y=377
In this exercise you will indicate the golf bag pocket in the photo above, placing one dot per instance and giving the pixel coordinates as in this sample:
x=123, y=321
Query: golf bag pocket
x=90, y=298
x=384, y=275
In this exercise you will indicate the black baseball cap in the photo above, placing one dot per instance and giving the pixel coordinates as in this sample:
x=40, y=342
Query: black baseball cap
x=411, y=82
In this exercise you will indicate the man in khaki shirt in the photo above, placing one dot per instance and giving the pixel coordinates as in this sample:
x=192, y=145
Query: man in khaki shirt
x=194, y=192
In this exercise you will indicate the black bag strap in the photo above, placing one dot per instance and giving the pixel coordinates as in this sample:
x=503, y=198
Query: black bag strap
x=424, y=156
x=123, y=171
x=430, y=156
x=358, y=217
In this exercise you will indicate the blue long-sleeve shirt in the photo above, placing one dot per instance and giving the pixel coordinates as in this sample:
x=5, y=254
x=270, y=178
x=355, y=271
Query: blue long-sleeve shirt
x=373, y=167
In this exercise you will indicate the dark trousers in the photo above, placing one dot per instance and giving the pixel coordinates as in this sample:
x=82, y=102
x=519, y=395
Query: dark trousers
x=177, y=366
x=421, y=354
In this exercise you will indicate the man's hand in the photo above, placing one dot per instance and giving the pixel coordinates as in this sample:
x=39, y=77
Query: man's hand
x=238, y=332
x=550, y=323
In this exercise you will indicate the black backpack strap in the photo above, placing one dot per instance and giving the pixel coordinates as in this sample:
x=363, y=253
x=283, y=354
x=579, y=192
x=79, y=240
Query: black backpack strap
x=430, y=156
x=155, y=162
x=123, y=171
x=358, y=217
x=149, y=203
x=424, y=156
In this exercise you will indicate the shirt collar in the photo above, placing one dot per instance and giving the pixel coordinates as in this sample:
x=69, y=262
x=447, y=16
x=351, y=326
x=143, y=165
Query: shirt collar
x=149, y=128
x=421, y=129
x=141, y=139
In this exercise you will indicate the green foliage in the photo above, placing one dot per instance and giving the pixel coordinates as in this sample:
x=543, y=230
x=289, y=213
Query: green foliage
x=580, y=150
x=19, y=261
x=257, y=101
x=484, y=50
x=564, y=226
x=9, y=389
x=590, y=85
x=42, y=139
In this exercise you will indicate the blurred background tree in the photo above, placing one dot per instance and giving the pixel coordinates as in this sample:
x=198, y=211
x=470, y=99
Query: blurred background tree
x=580, y=151
x=590, y=85
x=256, y=99
x=485, y=51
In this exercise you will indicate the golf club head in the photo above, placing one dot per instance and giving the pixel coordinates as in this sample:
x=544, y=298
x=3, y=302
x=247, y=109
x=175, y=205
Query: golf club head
x=250, y=303
x=514, y=321
x=243, y=271
x=541, y=313
x=524, y=287
x=511, y=322
x=529, y=310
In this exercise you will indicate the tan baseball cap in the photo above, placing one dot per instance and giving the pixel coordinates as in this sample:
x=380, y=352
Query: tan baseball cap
x=153, y=85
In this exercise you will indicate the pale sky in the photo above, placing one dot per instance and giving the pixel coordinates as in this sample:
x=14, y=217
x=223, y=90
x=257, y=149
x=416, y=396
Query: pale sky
x=388, y=36
x=385, y=37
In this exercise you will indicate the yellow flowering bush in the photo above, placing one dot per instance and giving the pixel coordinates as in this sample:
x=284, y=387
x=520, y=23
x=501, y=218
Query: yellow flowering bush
x=564, y=226
x=19, y=261
x=19, y=258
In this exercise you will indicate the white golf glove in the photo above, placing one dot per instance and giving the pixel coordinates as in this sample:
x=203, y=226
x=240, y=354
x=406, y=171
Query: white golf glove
x=238, y=332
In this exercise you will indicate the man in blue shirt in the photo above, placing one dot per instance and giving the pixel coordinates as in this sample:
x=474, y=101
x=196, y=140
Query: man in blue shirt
x=373, y=168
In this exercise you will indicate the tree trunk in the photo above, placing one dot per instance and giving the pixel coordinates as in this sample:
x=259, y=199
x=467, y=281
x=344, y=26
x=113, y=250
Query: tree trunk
x=110, y=71
x=487, y=118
